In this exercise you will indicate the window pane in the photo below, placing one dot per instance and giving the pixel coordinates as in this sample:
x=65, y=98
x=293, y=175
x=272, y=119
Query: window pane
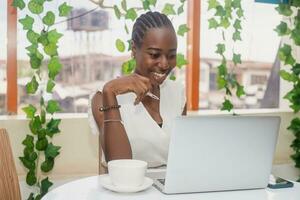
x=258, y=48
x=3, y=41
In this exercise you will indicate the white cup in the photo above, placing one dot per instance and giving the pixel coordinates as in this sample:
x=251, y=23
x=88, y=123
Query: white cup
x=127, y=172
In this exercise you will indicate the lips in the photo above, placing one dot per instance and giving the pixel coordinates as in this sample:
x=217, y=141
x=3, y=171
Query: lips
x=159, y=76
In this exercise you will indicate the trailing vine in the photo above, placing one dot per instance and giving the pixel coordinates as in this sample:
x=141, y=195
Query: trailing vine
x=125, y=13
x=39, y=152
x=291, y=29
x=227, y=17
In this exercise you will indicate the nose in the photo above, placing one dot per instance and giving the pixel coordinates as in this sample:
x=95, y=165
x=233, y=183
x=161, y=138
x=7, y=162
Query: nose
x=164, y=63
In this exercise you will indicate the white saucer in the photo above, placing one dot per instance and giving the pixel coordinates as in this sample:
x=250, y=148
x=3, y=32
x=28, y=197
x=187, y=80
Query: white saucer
x=106, y=183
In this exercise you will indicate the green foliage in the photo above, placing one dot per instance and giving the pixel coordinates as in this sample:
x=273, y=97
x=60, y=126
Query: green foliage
x=120, y=45
x=131, y=14
x=169, y=9
x=182, y=29
x=291, y=30
x=227, y=15
x=43, y=48
x=180, y=60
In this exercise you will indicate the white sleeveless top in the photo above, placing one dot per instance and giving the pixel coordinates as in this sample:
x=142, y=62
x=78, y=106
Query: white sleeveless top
x=148, y=141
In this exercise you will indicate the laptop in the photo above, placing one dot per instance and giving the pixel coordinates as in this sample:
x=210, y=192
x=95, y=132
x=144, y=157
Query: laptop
x=219, y=153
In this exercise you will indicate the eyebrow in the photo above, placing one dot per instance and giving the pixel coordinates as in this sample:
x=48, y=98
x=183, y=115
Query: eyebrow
x=157, y=49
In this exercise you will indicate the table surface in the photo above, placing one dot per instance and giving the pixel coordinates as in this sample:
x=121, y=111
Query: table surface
x=90, y=189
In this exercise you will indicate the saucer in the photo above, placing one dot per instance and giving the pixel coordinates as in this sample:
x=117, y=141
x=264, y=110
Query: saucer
x=106, y=183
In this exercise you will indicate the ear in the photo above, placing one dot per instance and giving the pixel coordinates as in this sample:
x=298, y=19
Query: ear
x=133, y=49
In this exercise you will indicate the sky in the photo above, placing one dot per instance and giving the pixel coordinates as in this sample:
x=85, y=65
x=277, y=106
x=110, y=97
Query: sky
x=260, y=42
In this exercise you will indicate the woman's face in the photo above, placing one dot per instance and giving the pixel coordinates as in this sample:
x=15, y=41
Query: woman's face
x=157, y=55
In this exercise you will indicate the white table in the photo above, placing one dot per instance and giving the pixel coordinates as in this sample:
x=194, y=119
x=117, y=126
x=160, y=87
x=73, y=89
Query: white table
x=91, y=189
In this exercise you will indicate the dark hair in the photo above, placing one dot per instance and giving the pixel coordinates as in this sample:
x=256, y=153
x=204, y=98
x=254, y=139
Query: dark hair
x=147, y=21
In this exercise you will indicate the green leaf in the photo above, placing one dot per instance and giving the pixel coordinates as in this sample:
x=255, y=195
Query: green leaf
x=146, y=5
x=28, y=141
x=41, y=144
x=152, y=2
x=31, y=178
x=120, y=45
x=49, y=18
x=221, y=82
x=43, y=39
x=172, y=77
x=296, y=36
x=50, y=86
x=296, y=3
x=295, y=125
x=220, y=49
x=18, y=4
x=126, y=29
x=30, y=110
x=32, y=86
x=240, y=13
x=30, y=154
x=237, y=24
x=43, y=116
x=227, y=105
x=285, y=55
x=240, y=90
x=180, y=60
x=212, y=23
x=182, y=29
x=129, y=44
x=51, y=49
x=288, y=76
x=222, y=69
x=128, y=66
x=27, y=22
x=64, y=10
x=180, y=10
x=225, y=22
x=47, y=165
x=282, y=29
x=28, y=164
x=296, y=69
x=45, y=185
x=32, y=36
x=117, y=12
x=52, y=127
x=236, y=58
x=53, y=106
x=36, y=6
x=32, y=48
x=35, y=61
x=131, y=14
x=53, y=36
x=220, y=11
x=35, y=125
x=54, y=67
x=169, y=9
x=284, y=9
x=52, y=151
x=236, y=4
x=212, y=4
x=124, y=5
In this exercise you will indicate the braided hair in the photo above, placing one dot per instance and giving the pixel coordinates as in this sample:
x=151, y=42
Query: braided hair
x=147, y=21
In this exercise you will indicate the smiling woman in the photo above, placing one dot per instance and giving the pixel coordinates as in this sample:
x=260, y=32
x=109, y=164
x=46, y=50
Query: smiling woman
x=132, y=123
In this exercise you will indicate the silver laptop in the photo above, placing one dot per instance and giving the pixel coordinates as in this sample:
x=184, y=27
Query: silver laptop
x=218, y=153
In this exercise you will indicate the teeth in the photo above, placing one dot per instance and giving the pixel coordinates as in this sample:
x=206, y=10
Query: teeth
x=159, y=75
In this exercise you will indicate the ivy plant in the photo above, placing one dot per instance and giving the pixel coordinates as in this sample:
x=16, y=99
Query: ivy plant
x=125, y=14
x=291, y=28
x=39, y=151
x=227, y=18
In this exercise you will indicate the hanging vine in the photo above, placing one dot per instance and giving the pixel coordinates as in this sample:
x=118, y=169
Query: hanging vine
x=291, y=29
x=39, y=152
x=227, y=17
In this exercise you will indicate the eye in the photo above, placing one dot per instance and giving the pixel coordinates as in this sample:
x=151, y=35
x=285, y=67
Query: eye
x=172, y=56
x=154, y=55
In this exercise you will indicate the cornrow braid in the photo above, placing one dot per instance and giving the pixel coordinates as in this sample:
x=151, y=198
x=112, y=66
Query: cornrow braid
x=147, y=21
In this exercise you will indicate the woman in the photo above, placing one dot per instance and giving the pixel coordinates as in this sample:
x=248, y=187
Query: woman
x=134, y=112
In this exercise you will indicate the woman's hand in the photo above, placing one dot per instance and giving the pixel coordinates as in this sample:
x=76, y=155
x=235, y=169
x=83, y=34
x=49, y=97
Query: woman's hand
x=138, y=84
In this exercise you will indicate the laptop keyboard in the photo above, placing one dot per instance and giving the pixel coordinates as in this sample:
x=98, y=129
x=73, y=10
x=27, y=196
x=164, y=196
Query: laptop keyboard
x=162, y=181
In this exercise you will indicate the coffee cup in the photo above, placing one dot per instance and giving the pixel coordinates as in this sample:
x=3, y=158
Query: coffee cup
x=127, y=172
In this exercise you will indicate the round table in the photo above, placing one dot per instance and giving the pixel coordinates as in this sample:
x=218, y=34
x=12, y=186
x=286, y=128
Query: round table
x=91, y=189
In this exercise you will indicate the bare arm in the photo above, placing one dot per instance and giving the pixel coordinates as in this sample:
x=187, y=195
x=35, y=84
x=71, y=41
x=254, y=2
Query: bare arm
x=113, y=136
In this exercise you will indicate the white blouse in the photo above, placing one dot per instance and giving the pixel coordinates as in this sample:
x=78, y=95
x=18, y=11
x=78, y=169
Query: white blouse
x=148, y=141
